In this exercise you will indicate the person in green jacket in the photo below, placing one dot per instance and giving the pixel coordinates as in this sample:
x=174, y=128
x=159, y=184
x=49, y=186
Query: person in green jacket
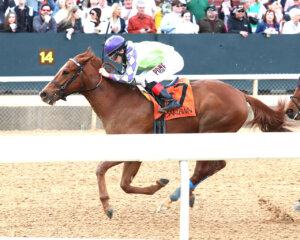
x=197, y=7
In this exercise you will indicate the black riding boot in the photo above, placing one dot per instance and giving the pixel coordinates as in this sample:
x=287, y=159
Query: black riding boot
x=163, y=94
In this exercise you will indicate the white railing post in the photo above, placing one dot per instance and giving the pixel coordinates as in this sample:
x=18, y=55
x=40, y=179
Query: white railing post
x=184, y=203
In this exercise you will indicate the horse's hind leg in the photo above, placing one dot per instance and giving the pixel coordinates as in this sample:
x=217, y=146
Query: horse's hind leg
x=203, y=170
x=130, y=169
x=103, y=193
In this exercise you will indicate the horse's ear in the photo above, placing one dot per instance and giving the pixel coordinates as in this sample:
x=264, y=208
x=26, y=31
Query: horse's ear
x=89, y=50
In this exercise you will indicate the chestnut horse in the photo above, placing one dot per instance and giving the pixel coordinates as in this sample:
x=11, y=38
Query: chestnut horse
x=293, y=106
x=123, y=110
x=293, y=112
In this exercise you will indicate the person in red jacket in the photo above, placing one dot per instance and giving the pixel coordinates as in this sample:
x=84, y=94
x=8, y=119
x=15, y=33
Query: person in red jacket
x=141, y=22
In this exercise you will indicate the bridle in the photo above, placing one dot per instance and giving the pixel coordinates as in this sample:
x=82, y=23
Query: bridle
x=298, y=107
x=293, y=100
x=62, y=93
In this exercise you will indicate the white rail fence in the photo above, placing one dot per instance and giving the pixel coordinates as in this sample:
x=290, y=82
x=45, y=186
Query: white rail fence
x=204, y=146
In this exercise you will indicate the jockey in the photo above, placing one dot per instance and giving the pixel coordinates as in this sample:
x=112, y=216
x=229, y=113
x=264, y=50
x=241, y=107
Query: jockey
x=157, y=61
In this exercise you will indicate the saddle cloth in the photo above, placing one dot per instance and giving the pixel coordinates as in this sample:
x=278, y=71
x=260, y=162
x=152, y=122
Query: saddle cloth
x=181, y=90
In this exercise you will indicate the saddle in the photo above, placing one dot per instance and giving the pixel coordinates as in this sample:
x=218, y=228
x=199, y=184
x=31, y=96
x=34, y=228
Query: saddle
x=181, y=90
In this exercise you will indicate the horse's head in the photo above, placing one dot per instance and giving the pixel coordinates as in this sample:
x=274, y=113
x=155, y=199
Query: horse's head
x=77, y=75
x=293, y=107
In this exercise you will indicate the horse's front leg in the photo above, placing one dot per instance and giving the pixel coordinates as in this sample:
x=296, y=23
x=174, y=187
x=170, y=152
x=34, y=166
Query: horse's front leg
x=103, y=193
x=130, y=169
x=203, y=170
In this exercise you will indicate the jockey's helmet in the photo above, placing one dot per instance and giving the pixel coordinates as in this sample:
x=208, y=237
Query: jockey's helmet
x=113, y=44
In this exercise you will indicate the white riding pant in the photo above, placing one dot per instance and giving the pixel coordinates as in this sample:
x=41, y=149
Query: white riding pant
x=172, y=64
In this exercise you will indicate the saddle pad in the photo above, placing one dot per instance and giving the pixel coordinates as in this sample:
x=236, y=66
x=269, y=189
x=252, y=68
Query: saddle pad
x=182, y=92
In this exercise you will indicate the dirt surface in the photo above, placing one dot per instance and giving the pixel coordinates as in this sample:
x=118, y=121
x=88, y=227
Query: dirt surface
x=251, y=199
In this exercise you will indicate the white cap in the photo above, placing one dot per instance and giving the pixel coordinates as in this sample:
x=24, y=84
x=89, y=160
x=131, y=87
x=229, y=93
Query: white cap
x=140, y=3
x=293, y=12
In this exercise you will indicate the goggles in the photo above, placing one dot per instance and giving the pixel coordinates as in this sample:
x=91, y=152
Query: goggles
x=114, y=56
x=46, y=10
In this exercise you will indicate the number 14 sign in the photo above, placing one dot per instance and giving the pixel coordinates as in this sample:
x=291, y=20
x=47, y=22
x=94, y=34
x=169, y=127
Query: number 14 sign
x=46, y=56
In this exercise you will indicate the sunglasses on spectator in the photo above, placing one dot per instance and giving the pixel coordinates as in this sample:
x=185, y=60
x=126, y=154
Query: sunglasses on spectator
x=46, y=10
x=241, y=11
x=92, y=13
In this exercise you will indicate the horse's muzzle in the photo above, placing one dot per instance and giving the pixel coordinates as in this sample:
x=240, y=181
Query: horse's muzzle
x=47, y=98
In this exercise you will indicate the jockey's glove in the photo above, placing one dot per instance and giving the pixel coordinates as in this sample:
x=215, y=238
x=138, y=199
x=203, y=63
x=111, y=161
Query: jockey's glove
x=103, y=72
x=132, y=85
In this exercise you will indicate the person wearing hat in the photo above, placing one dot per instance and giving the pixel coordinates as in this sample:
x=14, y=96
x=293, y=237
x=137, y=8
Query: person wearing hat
x=141, y=22
x=292, y=26
x=238, y=23
x=171, y=20
x=211, y=23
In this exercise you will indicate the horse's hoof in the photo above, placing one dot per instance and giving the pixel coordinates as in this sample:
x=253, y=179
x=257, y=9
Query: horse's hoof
x=163, y=181
x=192, y=201
x=110, y=213
x=164, y=206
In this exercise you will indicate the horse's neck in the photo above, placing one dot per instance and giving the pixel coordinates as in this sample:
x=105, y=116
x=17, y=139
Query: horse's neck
x=105, y=101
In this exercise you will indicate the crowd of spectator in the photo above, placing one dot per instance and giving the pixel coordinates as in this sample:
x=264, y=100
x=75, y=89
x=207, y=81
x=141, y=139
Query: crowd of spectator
x=150, y=16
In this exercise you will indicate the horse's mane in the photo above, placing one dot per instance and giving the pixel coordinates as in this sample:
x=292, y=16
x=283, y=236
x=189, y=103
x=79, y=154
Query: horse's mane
x=89, y=56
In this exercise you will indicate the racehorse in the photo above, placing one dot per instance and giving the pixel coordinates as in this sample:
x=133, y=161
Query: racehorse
x=293, y=106
x=123, y=110
x=293, y=112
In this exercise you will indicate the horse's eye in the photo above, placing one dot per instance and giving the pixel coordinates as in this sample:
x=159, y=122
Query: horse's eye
x=65, y=72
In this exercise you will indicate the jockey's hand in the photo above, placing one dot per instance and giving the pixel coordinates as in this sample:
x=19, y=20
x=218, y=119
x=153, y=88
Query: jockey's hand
x=104, y=72
x=132, y=85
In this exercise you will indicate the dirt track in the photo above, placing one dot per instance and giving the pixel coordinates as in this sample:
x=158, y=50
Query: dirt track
x=246, y=200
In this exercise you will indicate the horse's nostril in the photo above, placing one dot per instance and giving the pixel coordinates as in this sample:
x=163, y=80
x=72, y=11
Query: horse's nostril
x=43, y=94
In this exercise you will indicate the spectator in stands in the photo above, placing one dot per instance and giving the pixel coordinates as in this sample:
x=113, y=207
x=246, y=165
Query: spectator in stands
x=255, y=11
x=150, y=7
x=3, y=7
x=184, y=8
x=277, y=8
x=94, y=25
x=126, y=11
x=269, y=24
x=162, y=8
x=292, y=26
x=197, y=7
x=24, y=15
x=141, y=23
x=111, y=2
x=211, y=23
x=186, y=26
x=11, y=23
x=238, y=23
x=44, y=23
x=106, y=10
x=86, y=11
x=63, y=12
x=225, y=10
x=287, y=5
x=72, y=23
x=287, y=16
x=117, y=24
x=171, y=20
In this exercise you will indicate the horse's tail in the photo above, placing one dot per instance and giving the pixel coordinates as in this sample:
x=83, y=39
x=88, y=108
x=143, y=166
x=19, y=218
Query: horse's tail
x=266, y=118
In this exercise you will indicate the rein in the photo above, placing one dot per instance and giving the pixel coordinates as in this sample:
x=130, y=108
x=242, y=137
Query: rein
x=62, y=93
